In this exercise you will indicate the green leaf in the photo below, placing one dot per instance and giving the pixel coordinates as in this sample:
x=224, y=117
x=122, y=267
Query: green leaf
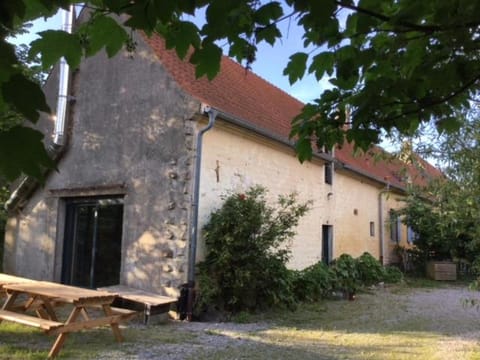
x=207, y=60
x=304, y=149
x=25, y=96
x=270, y=34
x=448, y=125
x=142, y=16
x=347, y=74
x=17, y=158
x=103, y=31
x=9, y=10
x=351, y=28
x=35, y=9
x=241, y=49
x=321, y=64
x=296, y=67
x=165, y=9
x=116, y=6
x=7, y=60
x=268, y=12
x=54, y=44
x=181, y=36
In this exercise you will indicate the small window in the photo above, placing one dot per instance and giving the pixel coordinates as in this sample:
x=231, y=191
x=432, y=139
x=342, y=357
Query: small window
x=328, y=174
x=395, y=227
x=372, y=228
x=412, y=236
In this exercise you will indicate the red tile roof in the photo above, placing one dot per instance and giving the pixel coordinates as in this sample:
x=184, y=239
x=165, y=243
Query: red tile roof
x=246, y=96
x=384, y=167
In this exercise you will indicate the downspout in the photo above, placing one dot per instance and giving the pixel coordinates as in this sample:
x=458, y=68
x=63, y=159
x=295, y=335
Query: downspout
x=63, y=85
x=28, y=184
x=381, y=220
x=192, y=253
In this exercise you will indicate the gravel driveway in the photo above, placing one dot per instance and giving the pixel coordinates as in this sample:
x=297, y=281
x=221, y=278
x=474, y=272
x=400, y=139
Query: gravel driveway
x=435, y=318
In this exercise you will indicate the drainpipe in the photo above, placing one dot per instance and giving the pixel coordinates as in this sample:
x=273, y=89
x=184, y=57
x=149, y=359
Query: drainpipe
x=28, y=184
x=381, y=220
x=192, y=253
x=59, y=134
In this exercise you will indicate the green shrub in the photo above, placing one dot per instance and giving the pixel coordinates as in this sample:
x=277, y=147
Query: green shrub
x=313, y=283
x=347, y=277
x=392, y=275
x=247, y=250
x=370, y=270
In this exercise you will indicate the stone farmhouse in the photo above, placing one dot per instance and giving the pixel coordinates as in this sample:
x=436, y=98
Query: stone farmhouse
x=131, y=189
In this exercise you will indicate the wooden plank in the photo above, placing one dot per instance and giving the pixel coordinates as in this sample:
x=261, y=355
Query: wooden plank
x=115, y=329
x=47, y=306
x=82, y=325
x=28, y=320
x=11, y=279
x=60, y=292
x=122, y=311
x=126, y=314
x=60, y=340
x=139, y=296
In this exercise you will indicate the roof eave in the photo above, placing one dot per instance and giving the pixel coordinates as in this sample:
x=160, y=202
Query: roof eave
x=372, y=177
x=234, y=120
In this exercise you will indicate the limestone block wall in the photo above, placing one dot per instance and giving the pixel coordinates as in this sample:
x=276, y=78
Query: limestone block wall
x=356, y=206
x=234, y=160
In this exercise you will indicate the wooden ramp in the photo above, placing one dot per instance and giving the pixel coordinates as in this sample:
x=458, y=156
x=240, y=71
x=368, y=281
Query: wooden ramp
x=140, y=300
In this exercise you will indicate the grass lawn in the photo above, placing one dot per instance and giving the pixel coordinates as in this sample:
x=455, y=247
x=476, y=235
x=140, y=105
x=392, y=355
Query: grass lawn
x=395, y=323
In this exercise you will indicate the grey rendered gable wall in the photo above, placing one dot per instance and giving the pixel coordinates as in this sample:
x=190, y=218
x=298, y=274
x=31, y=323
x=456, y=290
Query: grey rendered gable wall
x=131, y=128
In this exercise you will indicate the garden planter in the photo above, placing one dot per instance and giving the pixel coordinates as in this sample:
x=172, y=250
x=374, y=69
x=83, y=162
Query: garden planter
x=441, y=270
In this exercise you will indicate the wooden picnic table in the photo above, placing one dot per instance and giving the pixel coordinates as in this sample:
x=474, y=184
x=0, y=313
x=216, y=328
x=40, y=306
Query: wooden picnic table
x=11, y=279
x=21, y=297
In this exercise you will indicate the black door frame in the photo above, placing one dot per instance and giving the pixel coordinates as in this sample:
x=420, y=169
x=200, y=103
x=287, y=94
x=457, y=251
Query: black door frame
x=71, y=226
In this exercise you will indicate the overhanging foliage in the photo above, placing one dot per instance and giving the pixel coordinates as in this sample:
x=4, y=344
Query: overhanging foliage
x=393, y=64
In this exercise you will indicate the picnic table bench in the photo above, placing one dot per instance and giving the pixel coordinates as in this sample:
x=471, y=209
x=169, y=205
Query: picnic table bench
x=146, y=302
x=43, y=297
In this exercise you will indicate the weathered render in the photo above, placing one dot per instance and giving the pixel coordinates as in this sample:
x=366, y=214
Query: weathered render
x=132, y=125
x=130, y=135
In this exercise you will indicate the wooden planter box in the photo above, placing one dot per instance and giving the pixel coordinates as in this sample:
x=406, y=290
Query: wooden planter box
x=442, y=270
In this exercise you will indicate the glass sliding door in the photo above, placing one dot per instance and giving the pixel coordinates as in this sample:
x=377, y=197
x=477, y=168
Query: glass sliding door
x=93, y=239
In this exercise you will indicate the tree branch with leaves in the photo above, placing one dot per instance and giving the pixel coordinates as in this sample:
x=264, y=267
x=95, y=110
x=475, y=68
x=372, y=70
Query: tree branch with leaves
x=394, y=64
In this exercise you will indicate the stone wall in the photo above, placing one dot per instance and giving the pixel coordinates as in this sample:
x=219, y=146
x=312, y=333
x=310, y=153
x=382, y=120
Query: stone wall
x=235, y=159
x=131, y=133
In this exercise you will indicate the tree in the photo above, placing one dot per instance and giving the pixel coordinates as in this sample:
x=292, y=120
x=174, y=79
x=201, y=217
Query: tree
x=445, y=216
x=394, y=64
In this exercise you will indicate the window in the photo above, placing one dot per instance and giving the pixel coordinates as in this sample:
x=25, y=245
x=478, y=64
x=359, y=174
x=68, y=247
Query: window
x=412, y=236
x=328, y=173
x=327, y=243
x=372, y=228
x=395, y=227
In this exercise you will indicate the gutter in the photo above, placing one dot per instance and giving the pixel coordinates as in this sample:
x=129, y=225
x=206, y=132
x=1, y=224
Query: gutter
x=28, y=184
x=381, y=222
x=265, y=133
x=279, y=139
x=367, y=175
x=192, y=253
